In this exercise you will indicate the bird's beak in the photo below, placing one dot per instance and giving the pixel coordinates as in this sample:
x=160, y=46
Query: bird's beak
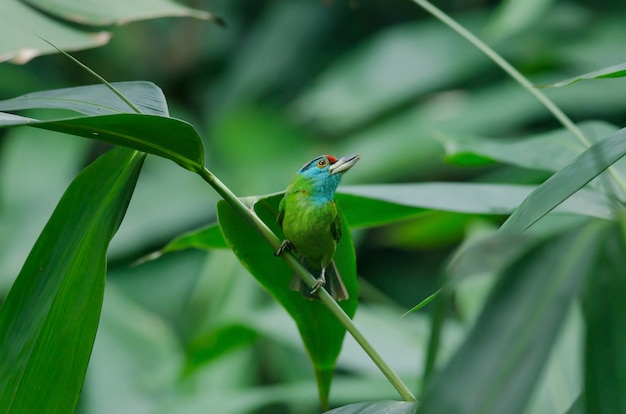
x=343, y=164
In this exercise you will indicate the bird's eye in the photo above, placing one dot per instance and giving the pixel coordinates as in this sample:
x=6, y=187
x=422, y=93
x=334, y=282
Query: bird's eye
x=322, y=163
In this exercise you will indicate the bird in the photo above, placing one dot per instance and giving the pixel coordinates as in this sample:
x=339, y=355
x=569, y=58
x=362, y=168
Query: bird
x=311, y=223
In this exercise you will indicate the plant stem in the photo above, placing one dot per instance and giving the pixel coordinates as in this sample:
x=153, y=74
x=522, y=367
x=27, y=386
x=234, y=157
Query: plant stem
x=310, y=280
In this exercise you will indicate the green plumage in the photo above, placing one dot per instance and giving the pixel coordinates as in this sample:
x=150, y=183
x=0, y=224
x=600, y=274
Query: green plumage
x=311, y=222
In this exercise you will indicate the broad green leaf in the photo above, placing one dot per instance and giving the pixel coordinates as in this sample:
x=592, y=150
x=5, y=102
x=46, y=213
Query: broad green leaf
x=604, y=306
x=321, y=333
x=27, y=199
x=167, y=137
x=93, y=12
x=94, y=99
x=20, y=26
x=550, y=152
x=615, y=71
x=568, y=181
x=50, y=317
x=377, y=407
x=23, y=24
x=497, y=367
x=377, y=204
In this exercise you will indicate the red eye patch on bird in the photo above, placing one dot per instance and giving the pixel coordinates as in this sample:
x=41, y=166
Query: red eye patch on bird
x=331, y=159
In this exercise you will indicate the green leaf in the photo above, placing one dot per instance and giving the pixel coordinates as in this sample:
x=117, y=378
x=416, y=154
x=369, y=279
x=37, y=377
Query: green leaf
x=615, y=71
x=604, y=306
x=23, y=24
x=49, y=319
x=206, y=238
x=321, y=333
x=94, y=99
x=92, y=12
x=167, y=137
x=20, y=26
x=550, y=152
x=567, y=181
x=367, y=205
x=496, y=368
x=377, y=407
x=376, y=205
x=423, y=303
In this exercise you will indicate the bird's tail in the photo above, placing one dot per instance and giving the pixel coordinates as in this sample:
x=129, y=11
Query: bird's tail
x=334, y=284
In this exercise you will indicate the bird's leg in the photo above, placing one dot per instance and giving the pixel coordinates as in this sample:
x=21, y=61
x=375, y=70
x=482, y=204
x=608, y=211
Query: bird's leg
x=321, y=281
x=285, y=245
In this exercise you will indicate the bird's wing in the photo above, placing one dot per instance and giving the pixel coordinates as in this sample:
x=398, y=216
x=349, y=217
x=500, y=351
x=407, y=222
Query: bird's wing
x=281, y=212
x=335, y=228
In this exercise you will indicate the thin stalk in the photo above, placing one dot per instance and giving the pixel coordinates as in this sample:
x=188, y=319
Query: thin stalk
x=517, y=76
x=97, y=76
x=310, y=280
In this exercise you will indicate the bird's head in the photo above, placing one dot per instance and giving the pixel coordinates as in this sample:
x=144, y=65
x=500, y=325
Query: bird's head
x=325, y=172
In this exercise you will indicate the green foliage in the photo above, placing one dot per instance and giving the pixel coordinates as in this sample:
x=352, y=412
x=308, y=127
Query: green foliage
x=71, y=25
x=49, y=319
x=528, y=314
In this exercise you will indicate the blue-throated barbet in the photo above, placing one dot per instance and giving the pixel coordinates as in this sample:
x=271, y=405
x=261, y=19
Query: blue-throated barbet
x=311, y=222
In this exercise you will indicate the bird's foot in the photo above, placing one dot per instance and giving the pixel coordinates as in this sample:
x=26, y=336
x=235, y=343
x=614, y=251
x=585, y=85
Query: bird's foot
x=321, y=281
x=285, y=245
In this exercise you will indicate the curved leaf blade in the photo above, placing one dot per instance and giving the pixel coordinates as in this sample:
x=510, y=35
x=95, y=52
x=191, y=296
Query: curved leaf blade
x=377, y=407
x=92, y=12
x=167, y=137
x=498, y=365
x=94, y=99
x=567, y=181
x=20, y=24
x=321, y=333
x=549, y=152
x=605, y=342
x=49, y=320
x=615, y=71
x=376, y=204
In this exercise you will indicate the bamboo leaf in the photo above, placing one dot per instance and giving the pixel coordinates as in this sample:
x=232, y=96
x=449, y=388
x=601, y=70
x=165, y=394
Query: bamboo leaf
x=377, y=407
x=615, y=71
x=321, y=333
x=377, y=204
x=94, y=99
x=91, y=12
x=567, y=181
x=50, y=317
x=549, y=152
x=167, y=137
x=605, y=364
x=498, y=365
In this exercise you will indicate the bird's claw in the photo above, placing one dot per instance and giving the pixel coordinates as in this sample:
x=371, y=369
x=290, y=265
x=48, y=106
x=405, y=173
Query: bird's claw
x=285, y=245
x=321, y=281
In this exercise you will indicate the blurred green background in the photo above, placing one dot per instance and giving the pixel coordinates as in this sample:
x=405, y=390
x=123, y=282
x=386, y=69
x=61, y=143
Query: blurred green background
x=285, y=81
